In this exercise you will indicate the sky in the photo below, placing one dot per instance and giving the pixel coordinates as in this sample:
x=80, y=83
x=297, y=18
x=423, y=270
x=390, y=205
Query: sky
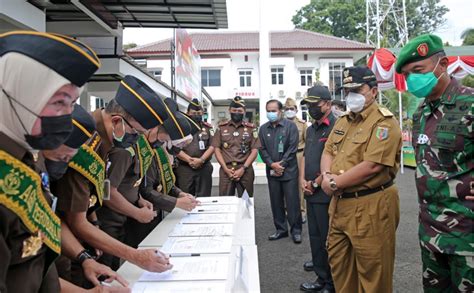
x=243, y=15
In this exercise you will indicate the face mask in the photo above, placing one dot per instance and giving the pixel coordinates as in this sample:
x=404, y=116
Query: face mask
x=315, y=112
x=236, y=117
x=336, y=112
x=126, y=141
x=272, y=116
x=197, y=118
x=290, y=114
x=55, y=169
x=55, y=130
x=355, y=102
x=422, y=84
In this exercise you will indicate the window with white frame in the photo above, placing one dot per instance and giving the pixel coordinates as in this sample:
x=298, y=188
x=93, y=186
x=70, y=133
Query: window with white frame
x=156, y=72
x=277, y=75
x=211, y=77
x=335, y=79
x=245, y=78
x=306, y=76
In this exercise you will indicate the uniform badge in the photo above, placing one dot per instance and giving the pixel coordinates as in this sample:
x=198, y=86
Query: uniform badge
x=32, y=245
x=92, y=201
x=245, y=129
x=382, y=133
x=138, y=182
x=226, y=145
x=236, y=133
x=159, y=188
x=422, y=49
x=422, y=139
x=211, y=131
x=255, y=134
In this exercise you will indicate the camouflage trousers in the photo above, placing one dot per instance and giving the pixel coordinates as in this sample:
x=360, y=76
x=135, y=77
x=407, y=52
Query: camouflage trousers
x=443, y=273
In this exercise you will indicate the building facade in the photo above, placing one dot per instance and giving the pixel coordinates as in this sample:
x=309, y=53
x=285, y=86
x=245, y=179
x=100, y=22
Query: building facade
x=230, y=66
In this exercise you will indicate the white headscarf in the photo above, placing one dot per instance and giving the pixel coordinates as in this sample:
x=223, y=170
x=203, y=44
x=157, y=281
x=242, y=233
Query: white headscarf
x=32, y=84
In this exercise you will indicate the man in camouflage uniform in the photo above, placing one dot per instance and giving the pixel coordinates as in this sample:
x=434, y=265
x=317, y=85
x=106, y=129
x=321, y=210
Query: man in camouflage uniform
x=442, y=138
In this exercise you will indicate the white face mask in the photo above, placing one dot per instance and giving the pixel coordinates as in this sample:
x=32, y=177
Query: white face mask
x=355, y=102
x=290, y=114
x=336, y=112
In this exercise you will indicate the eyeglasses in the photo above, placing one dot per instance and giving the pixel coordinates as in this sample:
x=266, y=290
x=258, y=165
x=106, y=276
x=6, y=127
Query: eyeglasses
x=128, y=123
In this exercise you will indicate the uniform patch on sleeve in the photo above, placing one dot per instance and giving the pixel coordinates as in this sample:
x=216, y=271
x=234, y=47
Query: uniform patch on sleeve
x=382, y=133
x=339, y=132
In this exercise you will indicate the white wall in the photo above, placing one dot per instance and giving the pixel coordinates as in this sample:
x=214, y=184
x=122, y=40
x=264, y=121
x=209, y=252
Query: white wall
x=22, y=15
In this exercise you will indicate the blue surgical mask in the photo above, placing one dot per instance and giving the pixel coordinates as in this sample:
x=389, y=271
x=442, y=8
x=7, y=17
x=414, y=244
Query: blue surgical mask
x=272, y=116
x=422, y=84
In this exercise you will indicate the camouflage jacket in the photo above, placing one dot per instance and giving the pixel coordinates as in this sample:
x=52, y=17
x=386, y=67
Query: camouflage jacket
x=443, y=141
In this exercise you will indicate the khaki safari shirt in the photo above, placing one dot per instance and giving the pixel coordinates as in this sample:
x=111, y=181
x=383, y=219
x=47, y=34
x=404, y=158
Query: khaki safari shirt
x=372, y=135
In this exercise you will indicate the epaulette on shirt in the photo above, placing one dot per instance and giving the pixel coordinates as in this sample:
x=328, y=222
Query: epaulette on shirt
x=385, y=112
x=248, y=124
x=209, y=125
x=223, y=123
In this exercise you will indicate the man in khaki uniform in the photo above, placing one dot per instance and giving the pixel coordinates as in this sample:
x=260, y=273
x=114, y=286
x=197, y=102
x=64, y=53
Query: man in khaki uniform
x=359, y=165
x=290, y=113
x=236, y=145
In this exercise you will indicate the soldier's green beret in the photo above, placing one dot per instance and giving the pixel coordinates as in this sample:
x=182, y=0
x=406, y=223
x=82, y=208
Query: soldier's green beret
x=417, y=49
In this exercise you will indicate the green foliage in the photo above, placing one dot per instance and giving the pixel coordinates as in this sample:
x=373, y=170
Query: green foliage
x=347, y=19
x=468, y=37
x=129, y=46
x=468, y=81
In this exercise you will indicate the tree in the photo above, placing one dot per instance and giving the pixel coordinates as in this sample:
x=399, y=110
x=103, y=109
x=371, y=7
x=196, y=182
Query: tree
x=468, y=37
x=347, y=19
x=129, y=46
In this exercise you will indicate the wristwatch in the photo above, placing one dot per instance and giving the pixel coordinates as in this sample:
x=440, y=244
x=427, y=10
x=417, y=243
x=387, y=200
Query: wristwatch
x=82, y=256
x=332, y=184
x=314, y=184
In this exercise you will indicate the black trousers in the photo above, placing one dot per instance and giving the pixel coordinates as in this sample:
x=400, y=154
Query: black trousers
x=285, y=193
x=318, y=226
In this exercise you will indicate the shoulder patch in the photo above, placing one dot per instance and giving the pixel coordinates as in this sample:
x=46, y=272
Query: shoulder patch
x=248, y=124
x=131, y=150
x=209, y=125
x=385, y=112
x=223, y=123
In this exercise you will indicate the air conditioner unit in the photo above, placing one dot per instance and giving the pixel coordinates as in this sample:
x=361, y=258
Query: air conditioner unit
x=281, y=93
x=298, y=95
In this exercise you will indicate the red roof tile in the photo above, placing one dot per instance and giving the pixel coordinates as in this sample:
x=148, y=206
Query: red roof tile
x=248, y=41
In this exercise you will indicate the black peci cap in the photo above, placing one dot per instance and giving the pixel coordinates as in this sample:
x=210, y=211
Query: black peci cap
x=141, y=102
x=357, y=76
x=68, y=57
x=317, y=93
x=83, y=127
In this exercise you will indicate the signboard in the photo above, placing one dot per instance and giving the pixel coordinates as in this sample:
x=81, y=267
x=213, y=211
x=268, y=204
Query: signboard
x=188, y=68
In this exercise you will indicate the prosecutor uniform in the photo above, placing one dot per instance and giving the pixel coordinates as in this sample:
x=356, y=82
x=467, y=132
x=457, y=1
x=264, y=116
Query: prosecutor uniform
x=236, y=140
x=279, y=142
x=363, y=216
x=30, y=243
x=196, y=180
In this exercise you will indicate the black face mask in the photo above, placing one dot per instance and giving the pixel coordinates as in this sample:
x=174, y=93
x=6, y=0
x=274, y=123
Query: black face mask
x=55, y=131
x=236, y=117
x=315, y=112
x=127, y=141
x=197, y=118
x=56, y=169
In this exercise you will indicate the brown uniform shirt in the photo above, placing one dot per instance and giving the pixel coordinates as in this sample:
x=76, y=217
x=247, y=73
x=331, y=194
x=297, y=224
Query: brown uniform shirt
x=236, y=141
x=201, y=139
x=372, y=135
x=124, y=172
x=17, y=273
x=302, y=126
x=73, y=189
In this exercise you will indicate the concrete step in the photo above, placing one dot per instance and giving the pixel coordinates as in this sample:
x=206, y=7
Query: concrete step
x=259, y=169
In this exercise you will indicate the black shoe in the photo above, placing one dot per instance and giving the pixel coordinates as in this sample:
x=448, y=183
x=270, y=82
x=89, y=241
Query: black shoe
x=297, y=238
x=308, y=266
x=312, y=286
x=278, y=235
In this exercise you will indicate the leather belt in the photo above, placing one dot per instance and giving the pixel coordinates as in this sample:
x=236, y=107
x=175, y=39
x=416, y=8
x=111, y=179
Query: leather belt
x=366, y=191
x=300, y=150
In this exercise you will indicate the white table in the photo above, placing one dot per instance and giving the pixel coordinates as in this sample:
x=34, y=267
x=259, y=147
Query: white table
x=242, y=240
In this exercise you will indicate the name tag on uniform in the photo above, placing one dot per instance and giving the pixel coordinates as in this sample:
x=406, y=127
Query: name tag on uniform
x=202, y=145
x=280, y=147
x=423, y=139
x=106, y=189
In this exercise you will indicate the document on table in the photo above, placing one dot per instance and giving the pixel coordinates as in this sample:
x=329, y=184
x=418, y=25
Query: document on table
x=214, y=209
x=181, y=230
x=192, y=268
x=217, y=200
x=185, y=246
x=180, y=287
x=209, y=219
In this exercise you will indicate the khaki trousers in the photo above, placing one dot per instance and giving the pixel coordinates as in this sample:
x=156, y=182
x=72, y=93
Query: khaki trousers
x=361, y=241
x=299, y=155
